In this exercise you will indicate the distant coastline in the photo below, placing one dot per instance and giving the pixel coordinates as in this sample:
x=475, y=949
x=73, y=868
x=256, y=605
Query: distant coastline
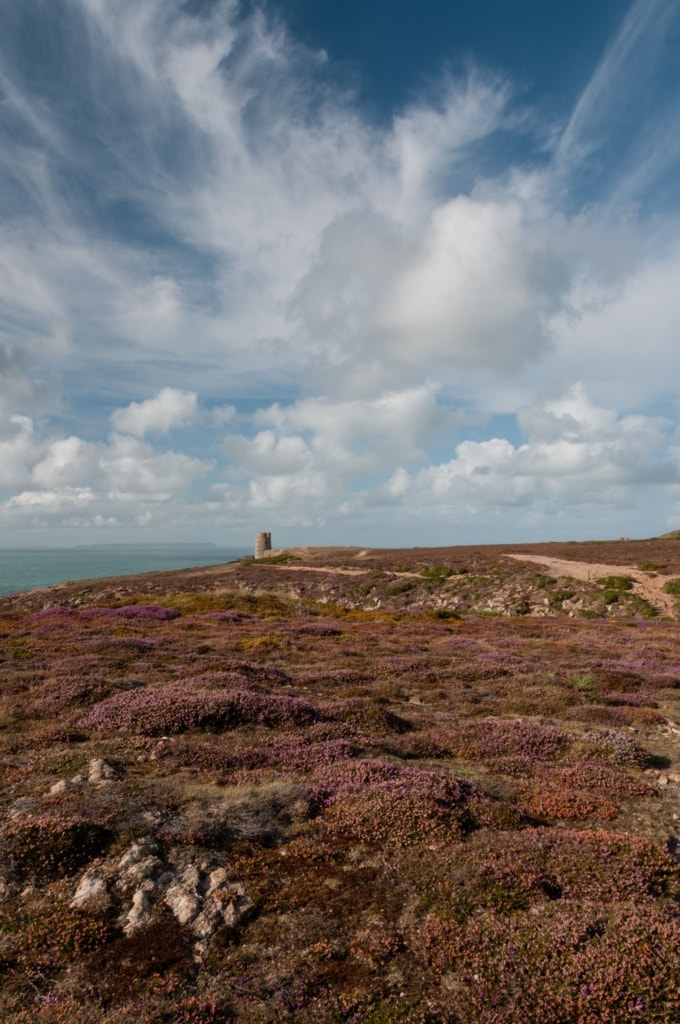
x=155, y=545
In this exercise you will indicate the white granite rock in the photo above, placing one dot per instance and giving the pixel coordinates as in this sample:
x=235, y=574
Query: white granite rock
x=92, y=891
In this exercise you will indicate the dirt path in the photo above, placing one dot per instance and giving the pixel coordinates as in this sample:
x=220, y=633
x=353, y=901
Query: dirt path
x=645, y=584
x=334, y=569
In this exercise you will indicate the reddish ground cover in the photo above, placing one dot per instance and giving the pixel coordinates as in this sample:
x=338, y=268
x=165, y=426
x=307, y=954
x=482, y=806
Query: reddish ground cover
x=407, y=817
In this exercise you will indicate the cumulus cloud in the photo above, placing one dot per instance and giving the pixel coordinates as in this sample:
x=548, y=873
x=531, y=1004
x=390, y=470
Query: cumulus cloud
x=69, y=461
x=576, y=454
x=481, y=292
x=19, y=448
x=346, y=296
x=119, y=481
x=133, y=469
x=168, y=410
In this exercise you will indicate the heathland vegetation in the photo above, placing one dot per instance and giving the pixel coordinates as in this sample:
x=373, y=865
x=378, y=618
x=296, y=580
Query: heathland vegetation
x=420, y=787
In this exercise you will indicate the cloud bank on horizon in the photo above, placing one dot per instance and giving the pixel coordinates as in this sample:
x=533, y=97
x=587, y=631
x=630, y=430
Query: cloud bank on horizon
x=236, y=295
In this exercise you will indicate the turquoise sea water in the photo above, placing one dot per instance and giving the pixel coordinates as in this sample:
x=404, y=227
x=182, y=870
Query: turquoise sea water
x=29, y=568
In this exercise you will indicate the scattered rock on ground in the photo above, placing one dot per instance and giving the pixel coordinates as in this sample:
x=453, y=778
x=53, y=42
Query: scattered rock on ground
x=201, y=896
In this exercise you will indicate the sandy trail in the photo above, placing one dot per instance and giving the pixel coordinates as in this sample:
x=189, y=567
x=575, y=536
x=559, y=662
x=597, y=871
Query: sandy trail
x=645, y=584
x=334, y=569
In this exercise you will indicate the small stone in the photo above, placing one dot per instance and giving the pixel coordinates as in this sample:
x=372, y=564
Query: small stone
x=58, y=788
x=191, y=878
x=218, y=878
x=238, y=907
x=139, y=912
x=140, y=871
x=207, y=923
x=184, y=905
x=662, y=780
x=91, y=891
x=100, y=771
x=147, y=847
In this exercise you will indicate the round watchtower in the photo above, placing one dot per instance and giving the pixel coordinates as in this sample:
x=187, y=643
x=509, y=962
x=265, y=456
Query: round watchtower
x=263, y=542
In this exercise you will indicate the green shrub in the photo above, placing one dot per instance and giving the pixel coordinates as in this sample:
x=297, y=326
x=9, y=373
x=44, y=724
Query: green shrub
x=544, y=581
x=673, y=587
x=556, y=597
x=401, y=587
x=437, y=572
x=281, y=559
x=583, y=682
x=642, y=608
x=618, y=583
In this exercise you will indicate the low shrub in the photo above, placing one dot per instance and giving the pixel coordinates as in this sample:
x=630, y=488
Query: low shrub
x=437, y=572
x=148, y=612
x=401, y=808
x=493, y=738
x=47, y=847
x=617, y=584
x=402, y=587
x=155, y=712
x=54, y=935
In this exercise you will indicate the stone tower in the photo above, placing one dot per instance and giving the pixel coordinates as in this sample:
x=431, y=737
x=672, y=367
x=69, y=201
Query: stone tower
x=263, y=542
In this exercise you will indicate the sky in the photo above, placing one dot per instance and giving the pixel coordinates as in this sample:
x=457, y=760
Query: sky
x=367, y=273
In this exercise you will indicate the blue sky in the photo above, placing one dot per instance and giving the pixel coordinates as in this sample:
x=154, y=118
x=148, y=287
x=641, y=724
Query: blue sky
x=353, y=273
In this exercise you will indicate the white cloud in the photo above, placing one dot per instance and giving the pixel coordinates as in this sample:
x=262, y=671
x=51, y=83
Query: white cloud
x=401, y=419
x=310, y=453
x=222, y=414
x=480, y=293
x=577, y=455
x=302, y=491
x=134, y=470
x=269, y=455
x=18, y=449
x=346, y=295
x=51, y=500
x=169, y=410
x=607, y=99
x=67, y=462
x=427, y=141
x=152, y=313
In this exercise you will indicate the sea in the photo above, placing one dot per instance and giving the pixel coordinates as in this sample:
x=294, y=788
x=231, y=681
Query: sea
x=30, y=568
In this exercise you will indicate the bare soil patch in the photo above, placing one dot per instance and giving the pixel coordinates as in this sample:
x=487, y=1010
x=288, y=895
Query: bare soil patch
x=648, y=584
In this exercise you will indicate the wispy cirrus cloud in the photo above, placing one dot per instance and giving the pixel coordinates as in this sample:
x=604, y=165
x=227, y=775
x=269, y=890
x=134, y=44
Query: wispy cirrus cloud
x=202, y=226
